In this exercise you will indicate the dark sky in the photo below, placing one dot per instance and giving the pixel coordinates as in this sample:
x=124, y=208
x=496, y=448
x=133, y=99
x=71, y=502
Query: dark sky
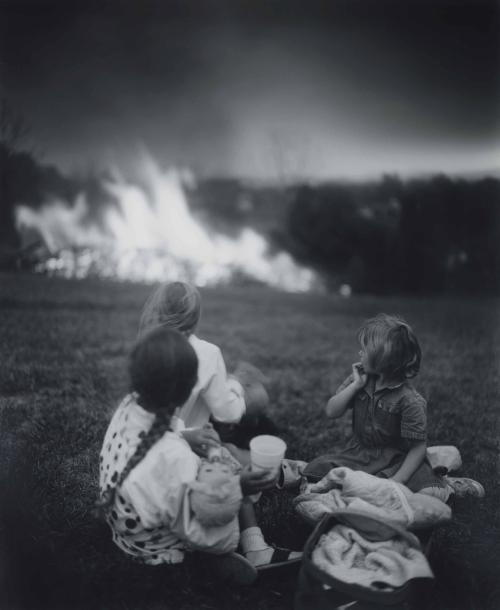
x=260, y=89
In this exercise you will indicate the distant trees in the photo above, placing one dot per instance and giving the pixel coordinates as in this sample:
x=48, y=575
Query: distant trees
x=432, y=234
x=423, y=235
x=13, y=161
x=449, y=235
x=23, y=179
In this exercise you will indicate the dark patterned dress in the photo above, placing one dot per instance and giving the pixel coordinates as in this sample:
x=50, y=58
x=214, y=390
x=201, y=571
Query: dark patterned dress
x=385, y=422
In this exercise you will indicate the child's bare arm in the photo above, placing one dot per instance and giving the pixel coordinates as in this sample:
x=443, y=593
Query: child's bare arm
x=337, y=405
x=412, y=461
x=201, y=439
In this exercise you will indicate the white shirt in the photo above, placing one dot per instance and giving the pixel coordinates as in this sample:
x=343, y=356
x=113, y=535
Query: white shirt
x=151, y=518
x=214, y=393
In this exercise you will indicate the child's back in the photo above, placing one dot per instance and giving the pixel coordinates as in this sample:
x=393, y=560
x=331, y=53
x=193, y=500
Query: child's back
x=215, y=394
x=177, y=305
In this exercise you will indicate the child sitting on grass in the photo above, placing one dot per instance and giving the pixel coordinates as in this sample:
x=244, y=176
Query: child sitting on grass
x=216, y=493
x=388, y=414
x=146, y=470
x=235, y=404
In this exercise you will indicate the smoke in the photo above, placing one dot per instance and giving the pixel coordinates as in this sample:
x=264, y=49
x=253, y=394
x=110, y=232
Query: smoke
x=149, y=234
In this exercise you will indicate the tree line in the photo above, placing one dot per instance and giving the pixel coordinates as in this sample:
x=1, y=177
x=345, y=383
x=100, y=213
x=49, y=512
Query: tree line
x=436, y=234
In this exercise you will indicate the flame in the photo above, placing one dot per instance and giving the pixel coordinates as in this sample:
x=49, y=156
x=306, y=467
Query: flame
x=151, y=235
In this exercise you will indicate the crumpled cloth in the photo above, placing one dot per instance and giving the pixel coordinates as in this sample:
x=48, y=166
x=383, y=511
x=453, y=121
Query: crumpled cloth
x=344, y=554
x=385, y=499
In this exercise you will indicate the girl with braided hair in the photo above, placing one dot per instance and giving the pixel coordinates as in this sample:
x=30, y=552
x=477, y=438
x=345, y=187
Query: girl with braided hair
x=147, y=470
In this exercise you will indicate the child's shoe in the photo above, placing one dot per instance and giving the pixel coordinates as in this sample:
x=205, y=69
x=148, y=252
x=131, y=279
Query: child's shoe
x=291, y=473
x=276, y=557
x=263, y=556
x=465, y=487
x=444, y=458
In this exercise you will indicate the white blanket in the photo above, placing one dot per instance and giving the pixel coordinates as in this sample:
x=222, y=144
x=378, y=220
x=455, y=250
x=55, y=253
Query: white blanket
x=383, y=498
x=346, y=555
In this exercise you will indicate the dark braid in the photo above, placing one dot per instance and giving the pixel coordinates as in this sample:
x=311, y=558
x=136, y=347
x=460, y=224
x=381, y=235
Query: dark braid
x=163, y=370
x=160, y=425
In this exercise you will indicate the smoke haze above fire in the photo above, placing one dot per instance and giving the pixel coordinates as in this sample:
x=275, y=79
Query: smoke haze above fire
x=334, y=89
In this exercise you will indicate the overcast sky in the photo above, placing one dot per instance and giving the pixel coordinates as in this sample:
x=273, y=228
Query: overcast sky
x=259, y=89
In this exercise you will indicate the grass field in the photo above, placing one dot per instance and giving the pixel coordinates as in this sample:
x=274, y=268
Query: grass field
x=63, y=348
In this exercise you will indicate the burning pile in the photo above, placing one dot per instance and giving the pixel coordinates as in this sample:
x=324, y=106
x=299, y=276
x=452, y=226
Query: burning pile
x=150, y=235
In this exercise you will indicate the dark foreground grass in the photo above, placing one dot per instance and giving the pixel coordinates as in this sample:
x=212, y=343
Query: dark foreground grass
x=63, y=349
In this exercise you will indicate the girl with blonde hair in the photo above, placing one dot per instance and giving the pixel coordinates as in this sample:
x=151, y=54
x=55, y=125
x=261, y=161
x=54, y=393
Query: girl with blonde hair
x=217, y=399
x=389, y=416
x=220, y=400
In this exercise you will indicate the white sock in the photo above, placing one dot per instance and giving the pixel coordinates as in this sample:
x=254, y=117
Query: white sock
x=256, y=549
x=252, y=539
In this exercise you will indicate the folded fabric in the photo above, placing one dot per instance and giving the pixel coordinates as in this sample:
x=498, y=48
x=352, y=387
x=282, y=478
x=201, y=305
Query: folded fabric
x=383, y=498
x=314, y=506
x=347, y=556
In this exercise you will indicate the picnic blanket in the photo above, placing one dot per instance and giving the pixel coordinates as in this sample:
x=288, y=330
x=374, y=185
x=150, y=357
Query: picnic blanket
x=392, y=502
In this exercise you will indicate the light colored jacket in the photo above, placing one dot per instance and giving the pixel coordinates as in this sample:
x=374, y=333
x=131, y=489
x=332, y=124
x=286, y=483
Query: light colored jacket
x=215, y=394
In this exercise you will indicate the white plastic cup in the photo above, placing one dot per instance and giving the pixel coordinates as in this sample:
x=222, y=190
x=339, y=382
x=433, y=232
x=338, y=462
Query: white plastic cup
x=266, y=452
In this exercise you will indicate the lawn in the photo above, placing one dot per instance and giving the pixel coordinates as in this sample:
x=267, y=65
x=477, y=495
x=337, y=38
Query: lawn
x=63, y=348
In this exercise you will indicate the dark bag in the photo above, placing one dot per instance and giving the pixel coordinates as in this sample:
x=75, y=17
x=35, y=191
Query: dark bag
x=318, y=590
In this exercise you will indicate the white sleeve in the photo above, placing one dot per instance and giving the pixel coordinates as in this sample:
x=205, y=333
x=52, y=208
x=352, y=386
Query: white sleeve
x=223, y=396
x=156, y=484
x=158, y=489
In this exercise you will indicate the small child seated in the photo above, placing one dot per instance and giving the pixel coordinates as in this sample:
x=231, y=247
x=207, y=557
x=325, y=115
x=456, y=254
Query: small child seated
x=255, y=421
x=253, y=382
x=225, y=400
x=216, y=493
x=389, y=416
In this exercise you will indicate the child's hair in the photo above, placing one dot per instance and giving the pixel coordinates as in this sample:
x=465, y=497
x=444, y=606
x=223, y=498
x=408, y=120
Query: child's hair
x=392, y=348
x=172, y=305
x=163, y=369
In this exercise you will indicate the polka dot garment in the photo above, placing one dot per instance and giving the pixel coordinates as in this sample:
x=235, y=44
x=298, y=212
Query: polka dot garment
x=151, y=545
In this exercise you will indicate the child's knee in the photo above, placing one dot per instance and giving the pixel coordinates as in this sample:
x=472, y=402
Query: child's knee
x=318, y=468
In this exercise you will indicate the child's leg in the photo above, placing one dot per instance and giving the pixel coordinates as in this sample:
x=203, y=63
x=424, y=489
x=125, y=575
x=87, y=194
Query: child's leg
x=462, y=486
x=254, y=547
x=457, y=486
x=441, y=493
x=242, y=455
x=320, y=467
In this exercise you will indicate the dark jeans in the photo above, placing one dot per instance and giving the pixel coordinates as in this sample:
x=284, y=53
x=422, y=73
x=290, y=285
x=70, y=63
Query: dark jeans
x=241, y=433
